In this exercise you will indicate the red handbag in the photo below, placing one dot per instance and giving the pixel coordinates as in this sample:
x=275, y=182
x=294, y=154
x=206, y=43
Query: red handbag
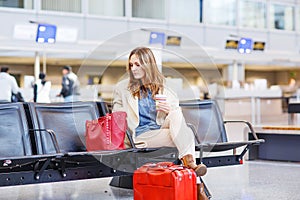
x=107, y=132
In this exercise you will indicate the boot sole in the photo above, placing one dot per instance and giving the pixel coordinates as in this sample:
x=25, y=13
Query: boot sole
x=201, y=170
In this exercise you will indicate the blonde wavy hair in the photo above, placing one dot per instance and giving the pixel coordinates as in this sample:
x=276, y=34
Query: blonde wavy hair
x=153, y=81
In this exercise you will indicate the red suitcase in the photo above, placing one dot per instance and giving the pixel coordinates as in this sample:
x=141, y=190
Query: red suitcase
x=164, y=181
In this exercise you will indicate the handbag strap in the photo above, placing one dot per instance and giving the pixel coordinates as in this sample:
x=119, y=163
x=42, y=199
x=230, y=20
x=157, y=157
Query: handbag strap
x=108, y=128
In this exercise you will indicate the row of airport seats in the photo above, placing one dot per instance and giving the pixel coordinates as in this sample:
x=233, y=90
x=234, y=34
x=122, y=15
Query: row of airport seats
x=46, y=143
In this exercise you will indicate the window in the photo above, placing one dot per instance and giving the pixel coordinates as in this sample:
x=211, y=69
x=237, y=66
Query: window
x=298, y=21
x=154, y=9
x=26, y=4
x=220, y=12
x=184, y=11
x=62, y=5
x=107, y=7
x=252, y=14
x=282, y=17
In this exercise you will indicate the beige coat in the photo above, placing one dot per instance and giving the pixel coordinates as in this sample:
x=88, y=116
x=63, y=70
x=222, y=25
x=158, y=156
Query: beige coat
x=174, y=131
x=124, y=101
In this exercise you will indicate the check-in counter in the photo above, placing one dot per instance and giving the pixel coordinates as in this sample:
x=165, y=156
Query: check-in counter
x=281, y=143
x=293, y=108
x=252, y=104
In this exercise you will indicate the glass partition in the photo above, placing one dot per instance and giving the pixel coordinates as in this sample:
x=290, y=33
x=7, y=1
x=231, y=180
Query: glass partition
x=184, y=11
x=107, y=7
x=252, y=14
x=62, y=5
x=220, y=12
x=282, y=17
x=25, y=4
x=154, y=9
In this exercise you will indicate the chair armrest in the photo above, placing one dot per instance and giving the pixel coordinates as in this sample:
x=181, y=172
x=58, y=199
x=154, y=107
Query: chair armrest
x=130, y=139
x=191, y=126
x=247, y=123
x=52, y=136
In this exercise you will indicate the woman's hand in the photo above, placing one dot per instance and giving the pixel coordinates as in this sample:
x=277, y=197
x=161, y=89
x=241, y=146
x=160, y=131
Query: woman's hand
x=163, y=106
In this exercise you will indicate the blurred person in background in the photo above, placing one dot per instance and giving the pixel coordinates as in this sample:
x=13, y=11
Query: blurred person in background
x=41, y=90
x=70, y=85
x=8, y=85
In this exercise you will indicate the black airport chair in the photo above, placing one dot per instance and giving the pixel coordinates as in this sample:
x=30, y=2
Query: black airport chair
x=19, y=165
x=67, y=120
x=205, y=119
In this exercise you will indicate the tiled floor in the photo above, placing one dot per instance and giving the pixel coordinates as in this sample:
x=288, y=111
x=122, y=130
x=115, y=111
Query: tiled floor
x=255, y=180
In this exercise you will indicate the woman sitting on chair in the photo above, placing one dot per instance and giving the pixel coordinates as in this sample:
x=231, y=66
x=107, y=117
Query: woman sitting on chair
x=154, y=123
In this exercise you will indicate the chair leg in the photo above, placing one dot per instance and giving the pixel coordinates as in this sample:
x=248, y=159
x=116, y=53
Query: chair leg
x=244, y=152
x=201, y=156
x=208, y=194
x=122, y=182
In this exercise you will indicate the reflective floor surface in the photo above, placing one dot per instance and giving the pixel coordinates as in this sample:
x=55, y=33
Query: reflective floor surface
x=254, y=180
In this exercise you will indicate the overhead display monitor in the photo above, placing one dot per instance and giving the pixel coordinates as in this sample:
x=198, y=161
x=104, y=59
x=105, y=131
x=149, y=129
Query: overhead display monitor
x=231, y=44
x=173, y=41
x=259, y=46
x=46, y=33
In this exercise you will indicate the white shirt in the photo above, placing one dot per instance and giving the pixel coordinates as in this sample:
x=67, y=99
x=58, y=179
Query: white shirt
x=43, y=92
x=8, y=84
x=76, y=85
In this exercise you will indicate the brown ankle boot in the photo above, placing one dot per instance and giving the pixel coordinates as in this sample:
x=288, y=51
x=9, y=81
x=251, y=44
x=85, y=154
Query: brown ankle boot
x=189, y=162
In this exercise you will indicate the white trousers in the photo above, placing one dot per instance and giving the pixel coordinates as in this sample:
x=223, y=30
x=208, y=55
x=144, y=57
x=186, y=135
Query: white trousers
x=174, y=132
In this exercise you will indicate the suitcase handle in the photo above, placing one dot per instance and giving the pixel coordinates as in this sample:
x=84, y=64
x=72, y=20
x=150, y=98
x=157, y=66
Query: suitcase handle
x=164, y=164
x=156, y=171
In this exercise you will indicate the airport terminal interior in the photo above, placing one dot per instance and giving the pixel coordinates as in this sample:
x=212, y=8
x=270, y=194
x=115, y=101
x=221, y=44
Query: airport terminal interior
x=242, y=55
